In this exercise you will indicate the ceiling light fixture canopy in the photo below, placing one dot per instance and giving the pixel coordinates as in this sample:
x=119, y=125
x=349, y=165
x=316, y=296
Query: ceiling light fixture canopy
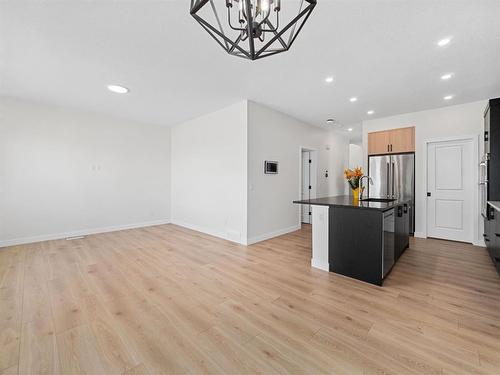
x=252, y=29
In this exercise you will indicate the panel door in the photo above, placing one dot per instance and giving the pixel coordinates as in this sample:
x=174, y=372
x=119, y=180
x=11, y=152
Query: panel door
x=450, y=190
x=378, y=143
x=402, y=140
x=306, y=186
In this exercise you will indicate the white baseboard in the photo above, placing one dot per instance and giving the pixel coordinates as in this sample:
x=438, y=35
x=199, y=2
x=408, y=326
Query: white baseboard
x=320, y=265
x=273, y=234
x=82, y=232
x=475, y=243
x=211, y=232
x=420, y=235
x=480, y=243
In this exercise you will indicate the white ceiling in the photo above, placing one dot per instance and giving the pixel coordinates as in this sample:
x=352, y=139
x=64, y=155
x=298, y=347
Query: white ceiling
x=382, y=51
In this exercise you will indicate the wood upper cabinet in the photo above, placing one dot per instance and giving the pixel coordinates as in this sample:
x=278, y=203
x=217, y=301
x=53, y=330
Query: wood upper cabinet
x=402, y=140
x=378, y=143
x=394, y=141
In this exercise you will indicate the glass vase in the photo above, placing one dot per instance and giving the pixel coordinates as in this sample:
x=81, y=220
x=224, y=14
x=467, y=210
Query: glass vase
x=355, y=195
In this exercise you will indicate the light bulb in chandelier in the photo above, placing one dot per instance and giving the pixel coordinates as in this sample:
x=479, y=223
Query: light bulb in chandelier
x=258, y=24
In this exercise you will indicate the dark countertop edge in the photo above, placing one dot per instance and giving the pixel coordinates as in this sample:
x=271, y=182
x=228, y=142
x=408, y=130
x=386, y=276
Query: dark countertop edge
x=391, y=205
x=495, y=205
x=382, y=209
x=315, y=204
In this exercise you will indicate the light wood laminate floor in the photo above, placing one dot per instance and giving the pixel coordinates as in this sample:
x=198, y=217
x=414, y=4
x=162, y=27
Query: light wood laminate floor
x=169, y=300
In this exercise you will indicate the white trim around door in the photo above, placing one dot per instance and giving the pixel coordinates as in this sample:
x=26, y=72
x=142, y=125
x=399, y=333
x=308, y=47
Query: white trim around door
x=313, y=177
x=473, y=221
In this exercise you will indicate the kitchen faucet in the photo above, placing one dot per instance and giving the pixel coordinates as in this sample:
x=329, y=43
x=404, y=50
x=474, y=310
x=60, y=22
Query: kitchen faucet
x=361, y=188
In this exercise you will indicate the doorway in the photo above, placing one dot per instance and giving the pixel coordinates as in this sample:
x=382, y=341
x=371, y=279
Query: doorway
x=309, y=181
x=450, y=190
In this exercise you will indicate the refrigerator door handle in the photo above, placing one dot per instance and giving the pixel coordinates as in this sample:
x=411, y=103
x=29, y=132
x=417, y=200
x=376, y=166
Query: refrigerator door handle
x=388, y=178
x=392, y=176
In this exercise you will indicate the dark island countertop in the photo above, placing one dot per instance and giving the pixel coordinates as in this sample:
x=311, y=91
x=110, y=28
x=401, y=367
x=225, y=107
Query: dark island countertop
x=347, y=201
x=495, y=205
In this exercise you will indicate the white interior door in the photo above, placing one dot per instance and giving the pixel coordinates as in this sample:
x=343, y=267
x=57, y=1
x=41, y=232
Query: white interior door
x=450, y=192
x=306, y=185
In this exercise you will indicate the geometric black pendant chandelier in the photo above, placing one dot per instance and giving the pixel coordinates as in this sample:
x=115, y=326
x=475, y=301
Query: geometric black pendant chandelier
x=253, y=29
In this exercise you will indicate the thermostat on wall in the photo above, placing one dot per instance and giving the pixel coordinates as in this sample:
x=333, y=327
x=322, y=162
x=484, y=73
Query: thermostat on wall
x=271, y=167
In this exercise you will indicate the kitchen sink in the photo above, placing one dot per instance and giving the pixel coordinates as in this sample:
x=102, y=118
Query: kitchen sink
x=381, y=200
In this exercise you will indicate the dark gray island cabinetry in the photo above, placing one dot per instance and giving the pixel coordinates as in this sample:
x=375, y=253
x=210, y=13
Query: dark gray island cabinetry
x=365, y=238
x=492, y=232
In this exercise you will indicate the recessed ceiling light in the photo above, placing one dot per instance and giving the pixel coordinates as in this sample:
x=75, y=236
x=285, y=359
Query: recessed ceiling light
x=330, y=121
x=370, y=112
x=443, y=42
x=118, y=89
x=353, y=99
x=349, y=130
x=448, y=97
x=329, y=79
x=446, y=76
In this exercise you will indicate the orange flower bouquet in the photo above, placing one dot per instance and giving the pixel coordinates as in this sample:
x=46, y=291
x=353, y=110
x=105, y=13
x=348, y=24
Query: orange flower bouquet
x=353, y=177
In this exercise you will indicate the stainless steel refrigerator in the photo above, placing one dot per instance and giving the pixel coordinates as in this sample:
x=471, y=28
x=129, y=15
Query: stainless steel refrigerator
x=393, y=177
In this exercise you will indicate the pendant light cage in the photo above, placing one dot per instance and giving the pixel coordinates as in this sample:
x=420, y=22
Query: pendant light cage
x=253, y=29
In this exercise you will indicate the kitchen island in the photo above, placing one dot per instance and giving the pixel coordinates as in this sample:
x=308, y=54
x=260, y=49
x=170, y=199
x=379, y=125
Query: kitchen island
x=491, y=233
x=360, y=239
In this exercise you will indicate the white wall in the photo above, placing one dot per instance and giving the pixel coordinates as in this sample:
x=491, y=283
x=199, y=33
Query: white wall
x=276, y=136
x=65, y=172
x=355, y=156
x=452, y=121
x=209, y=173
